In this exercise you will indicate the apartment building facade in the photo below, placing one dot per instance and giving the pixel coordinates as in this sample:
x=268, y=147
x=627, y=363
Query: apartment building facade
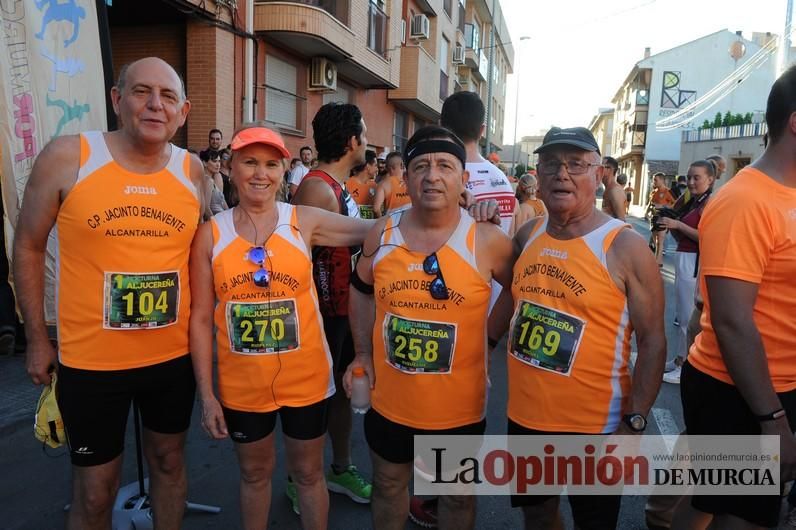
x=280, y=61
x=663, y=84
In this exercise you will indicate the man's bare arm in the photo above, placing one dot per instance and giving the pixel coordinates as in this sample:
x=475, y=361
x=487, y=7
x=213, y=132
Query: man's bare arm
x=731, y=308
x=315, y=192
x=54, y=173
x=731, y=315
x=362, y=310
x=382, y=189
x=645, y=300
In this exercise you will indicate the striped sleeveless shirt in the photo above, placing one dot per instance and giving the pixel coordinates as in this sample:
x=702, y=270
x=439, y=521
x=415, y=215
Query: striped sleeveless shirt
x=123, y=240
x=430, y=356
x=271, y=348
x=569, y=340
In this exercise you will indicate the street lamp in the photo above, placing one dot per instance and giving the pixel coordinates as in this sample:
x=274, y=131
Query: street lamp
x=517, y=105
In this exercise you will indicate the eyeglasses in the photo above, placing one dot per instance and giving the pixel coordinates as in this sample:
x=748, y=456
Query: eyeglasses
x=574, y=167
x=437, y=287
x=262, y=276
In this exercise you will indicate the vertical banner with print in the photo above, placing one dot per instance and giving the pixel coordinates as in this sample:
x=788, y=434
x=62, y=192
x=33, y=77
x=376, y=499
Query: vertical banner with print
x=51, y=84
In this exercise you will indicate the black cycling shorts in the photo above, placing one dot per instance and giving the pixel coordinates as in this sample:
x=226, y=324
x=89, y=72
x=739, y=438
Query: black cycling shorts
x=302, y=423
x=590, y=512
x=95, y=405
x=394, y=442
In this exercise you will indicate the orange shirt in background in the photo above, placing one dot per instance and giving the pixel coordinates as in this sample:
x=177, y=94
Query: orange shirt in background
x=661, y=197
x=398, y=197
x=363, y=194
x=538, y=207
x=748, y=232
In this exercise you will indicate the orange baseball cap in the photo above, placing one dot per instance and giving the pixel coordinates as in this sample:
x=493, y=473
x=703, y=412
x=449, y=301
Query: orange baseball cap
x=259, y=135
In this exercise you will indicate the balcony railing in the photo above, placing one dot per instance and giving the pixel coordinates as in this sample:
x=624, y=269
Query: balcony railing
x=723, y=133
x=337, y=8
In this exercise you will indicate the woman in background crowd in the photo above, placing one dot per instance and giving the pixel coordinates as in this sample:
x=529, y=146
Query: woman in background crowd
x=529, y=205
x=701, y=176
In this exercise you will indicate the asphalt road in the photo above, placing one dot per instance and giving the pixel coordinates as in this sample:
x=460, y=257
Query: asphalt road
x=34, y=484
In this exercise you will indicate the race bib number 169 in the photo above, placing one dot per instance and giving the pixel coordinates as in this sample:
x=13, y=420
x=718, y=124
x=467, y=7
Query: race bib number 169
x=545, y=338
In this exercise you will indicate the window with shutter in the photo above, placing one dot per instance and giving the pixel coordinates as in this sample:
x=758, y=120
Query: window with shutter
x=281, y=97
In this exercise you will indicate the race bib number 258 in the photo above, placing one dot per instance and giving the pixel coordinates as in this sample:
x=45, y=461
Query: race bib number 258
x=141, y=301
x=545, y=338
x=419, y=346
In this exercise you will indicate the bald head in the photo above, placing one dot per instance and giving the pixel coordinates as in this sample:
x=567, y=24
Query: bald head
x=149, y=64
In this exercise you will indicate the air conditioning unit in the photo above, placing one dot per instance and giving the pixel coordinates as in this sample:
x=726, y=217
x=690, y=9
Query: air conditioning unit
x=458, y=54
x=421, y=27
x=323, y=74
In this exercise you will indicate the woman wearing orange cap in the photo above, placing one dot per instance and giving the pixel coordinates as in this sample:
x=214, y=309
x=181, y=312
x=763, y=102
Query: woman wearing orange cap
x=251, y=276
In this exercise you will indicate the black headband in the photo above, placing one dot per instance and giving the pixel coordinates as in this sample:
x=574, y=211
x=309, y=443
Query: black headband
x=435, y=146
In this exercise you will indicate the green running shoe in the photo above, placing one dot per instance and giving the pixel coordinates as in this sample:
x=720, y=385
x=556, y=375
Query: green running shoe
x=350, y=482
x=292, y=494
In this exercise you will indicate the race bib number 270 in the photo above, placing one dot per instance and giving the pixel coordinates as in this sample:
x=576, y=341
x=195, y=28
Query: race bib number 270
x=141, y=301
x=263, y=328
x=545, y=338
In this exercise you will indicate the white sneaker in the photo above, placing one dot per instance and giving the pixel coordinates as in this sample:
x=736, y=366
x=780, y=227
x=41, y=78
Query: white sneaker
x=671, y=366
x=672, y=377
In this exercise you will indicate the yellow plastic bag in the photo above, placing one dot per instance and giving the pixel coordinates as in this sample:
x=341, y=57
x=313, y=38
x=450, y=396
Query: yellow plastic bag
x=48, y=426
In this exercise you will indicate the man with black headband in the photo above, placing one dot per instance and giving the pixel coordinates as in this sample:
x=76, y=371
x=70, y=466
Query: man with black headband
x=419, y=301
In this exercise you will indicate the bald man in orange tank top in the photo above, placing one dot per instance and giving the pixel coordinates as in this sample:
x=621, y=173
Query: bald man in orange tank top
x=583, y=284
x=125, y=206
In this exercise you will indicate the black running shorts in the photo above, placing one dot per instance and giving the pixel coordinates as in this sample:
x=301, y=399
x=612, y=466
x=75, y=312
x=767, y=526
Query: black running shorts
x=394, y=442
x=95, y=405
x=590, y=512
x=302, y=423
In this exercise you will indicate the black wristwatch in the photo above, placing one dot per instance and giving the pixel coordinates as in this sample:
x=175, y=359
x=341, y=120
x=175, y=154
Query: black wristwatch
x=637, y=422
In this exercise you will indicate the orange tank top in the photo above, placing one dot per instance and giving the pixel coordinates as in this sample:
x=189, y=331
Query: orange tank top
x=124, y=238
x=431, y=353
x=272, y=351
x=569, y=340
x=398, y=197
x=363, y=195
x=538, y=206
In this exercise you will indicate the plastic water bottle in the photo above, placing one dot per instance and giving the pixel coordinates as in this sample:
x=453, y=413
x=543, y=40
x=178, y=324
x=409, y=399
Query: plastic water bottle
x=360, y=391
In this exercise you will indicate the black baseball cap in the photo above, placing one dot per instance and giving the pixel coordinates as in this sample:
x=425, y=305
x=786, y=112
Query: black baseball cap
x=579, y=137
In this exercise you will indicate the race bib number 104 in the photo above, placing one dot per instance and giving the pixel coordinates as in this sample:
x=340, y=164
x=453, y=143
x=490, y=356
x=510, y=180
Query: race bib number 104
x=141, y=300
x=545, y=338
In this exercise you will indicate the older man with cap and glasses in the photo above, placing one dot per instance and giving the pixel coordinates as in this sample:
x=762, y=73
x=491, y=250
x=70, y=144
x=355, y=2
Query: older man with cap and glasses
x=418, y=306
x=596, y=283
